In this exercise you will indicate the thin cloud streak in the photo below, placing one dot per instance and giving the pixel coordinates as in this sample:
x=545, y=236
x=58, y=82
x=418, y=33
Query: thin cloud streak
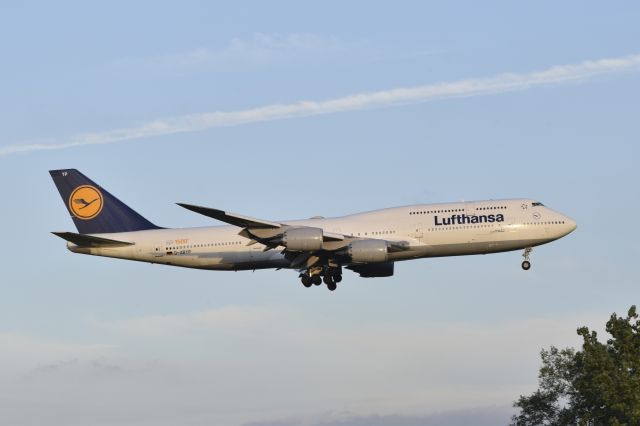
x=259, y=50
x=501, y=83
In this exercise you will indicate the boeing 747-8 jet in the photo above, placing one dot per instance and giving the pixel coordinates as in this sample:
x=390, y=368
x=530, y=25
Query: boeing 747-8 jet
x=318, y=248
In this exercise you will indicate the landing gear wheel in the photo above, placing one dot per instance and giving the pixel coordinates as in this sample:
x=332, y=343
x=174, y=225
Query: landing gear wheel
x=316, y=280
x=526, y=265
x=331, y=284
x=306, y=280
x=337, y=278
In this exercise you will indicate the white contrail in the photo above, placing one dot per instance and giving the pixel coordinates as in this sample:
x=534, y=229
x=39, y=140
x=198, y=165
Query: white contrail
x=462, y=88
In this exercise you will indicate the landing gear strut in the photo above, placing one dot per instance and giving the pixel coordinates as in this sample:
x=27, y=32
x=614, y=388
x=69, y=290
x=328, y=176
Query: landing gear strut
x=526, y=265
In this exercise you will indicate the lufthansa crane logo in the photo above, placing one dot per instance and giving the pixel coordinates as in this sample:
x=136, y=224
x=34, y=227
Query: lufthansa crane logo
x=85, y=202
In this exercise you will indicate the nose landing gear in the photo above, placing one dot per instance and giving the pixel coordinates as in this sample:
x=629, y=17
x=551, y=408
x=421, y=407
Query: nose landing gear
x=526, y=264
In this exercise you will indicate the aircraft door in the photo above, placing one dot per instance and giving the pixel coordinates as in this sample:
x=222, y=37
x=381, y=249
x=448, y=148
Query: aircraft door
x=470, y=210
x=419, y=232
x=158, y=249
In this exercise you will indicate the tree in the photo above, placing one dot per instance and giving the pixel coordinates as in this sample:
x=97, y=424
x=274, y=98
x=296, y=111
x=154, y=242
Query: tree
x=598, y=385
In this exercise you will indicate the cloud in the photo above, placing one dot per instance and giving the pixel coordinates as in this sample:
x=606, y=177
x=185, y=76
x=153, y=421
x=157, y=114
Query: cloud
x=230, y=319
x=239, y=364
x=501, y=83
x=485, y=416
x=257, y=51
x=23, y=352
x=95, y=366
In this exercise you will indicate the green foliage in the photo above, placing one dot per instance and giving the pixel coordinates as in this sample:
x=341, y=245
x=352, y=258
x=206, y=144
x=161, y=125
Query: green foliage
x=598, y=385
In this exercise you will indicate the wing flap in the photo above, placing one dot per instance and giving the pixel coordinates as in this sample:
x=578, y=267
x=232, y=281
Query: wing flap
x=83, y=240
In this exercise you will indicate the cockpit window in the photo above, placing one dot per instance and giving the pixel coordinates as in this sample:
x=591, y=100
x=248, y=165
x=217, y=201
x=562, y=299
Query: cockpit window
x=536, y=204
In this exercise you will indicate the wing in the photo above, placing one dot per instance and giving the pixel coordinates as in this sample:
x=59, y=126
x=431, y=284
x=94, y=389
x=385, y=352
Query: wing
x=322, y=244
x=257, y=229
x=231, y=218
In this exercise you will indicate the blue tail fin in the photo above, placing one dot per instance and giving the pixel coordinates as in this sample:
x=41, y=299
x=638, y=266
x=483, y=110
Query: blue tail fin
x=92, y=208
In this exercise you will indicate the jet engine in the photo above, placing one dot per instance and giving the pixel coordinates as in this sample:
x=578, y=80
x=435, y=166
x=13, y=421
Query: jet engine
x=368, y=251
x=302, y=239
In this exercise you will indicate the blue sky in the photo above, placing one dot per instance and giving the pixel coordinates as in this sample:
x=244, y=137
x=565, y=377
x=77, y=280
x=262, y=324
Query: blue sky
x=187, y=100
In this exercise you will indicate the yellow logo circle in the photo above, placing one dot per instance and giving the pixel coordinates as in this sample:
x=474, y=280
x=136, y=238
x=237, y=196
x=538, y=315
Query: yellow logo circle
x=85, y=202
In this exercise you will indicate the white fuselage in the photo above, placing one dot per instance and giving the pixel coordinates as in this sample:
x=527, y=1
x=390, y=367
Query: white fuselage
x=429, y=230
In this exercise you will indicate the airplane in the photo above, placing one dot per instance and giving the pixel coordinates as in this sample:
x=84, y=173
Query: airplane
x=318, y=248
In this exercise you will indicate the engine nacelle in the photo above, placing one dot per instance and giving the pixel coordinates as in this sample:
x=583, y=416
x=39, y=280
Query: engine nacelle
x=368, y=251
x=302, y=239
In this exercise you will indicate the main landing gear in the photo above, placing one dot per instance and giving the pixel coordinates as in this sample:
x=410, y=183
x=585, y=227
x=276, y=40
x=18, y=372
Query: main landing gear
x=309, y=280
x=526, y=265
x=330, y=275
x=306, y=280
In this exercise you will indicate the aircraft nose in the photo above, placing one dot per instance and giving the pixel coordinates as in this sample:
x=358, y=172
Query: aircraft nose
x=571, y=225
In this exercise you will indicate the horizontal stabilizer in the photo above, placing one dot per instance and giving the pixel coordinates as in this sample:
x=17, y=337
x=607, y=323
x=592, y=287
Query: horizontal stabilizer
x=231, y=218
x=83, y=240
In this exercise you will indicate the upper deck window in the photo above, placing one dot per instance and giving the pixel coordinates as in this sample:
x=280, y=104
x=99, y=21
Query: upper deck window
x=536, y=204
